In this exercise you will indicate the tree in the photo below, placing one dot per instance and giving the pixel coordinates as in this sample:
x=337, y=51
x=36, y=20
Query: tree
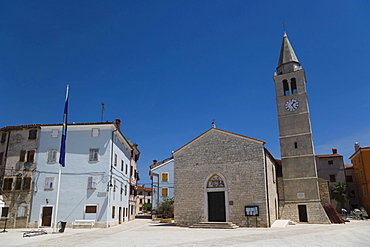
x=147, y=207
x=166, y=207
x=340, y=192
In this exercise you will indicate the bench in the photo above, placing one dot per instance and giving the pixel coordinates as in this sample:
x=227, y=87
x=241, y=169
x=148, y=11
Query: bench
x=34, y=233
x=83, y=223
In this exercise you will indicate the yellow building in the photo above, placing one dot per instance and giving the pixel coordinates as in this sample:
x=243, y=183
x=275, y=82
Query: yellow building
x=361, y=164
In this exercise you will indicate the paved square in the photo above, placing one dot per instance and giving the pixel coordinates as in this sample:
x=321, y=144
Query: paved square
x=142, y=232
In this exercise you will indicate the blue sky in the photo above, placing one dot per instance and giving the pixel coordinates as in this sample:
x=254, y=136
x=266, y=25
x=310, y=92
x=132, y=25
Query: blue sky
x=168, y=68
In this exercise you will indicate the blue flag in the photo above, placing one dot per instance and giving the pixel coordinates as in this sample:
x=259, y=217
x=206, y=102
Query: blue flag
x=64, y=133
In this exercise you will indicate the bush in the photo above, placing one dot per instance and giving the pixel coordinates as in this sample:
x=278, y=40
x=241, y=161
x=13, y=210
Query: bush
x=166, y=208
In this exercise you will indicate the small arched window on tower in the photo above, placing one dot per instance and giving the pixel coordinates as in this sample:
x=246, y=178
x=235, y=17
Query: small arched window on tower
x=293, y=86
x=286, y=88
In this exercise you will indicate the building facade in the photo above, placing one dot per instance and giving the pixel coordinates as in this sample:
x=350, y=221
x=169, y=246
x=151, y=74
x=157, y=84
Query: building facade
x=225, y=177
x=18, y=154
x=354, y=201
x=331, y=168
x=162, y=176
x=361, y=165
x=95, y=181
x=143, y=198
x=302, y=201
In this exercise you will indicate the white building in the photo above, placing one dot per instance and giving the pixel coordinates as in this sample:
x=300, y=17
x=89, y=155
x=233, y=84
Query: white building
x=162, y=176
x=95, y=182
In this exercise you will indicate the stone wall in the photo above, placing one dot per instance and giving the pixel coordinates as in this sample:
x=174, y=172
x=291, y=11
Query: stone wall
x=239, y=160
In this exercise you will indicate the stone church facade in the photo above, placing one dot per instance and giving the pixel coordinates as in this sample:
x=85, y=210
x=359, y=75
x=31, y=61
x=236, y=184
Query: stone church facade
x=219, y=176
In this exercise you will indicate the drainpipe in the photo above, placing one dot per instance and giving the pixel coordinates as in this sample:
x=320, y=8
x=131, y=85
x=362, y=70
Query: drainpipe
x=111, y=162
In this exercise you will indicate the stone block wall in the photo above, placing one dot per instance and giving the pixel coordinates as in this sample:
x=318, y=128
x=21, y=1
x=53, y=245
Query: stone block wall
x=239, y=160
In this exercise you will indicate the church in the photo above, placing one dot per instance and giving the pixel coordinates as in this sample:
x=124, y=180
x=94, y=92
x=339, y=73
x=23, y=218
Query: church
x=225, y=177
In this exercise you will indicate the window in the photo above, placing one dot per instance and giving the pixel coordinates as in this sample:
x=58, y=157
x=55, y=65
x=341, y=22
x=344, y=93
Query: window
x=364, y=191
x=26, y=183
x=349, y=179
x=4, y=212
x=121, y=165
x=126, y=169
x=52, y=155
x=31, y=156
x=95, y=132
x=141, y=201
x=330, y=162
x=361, y=174
x=54, y=133
x=8, y=182
x=18, y=183
x=121, y=192
x=32, y=134
x=125, y=189
x=332, y=178
x=49, y=183
x=113, y=212
x=293, y=86
x=94, y=154
x=295, y=145
x=1, y=158
x=3, y=137
x=164, y=176
x=92, y=182
x=91, y=209
x=115, y=159
x=164, y=191
x=359, y=159
x=286, y=88
x=21, y=211
x=22, y=155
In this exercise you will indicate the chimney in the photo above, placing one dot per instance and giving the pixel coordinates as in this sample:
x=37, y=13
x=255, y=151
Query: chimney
x=155, y=162
x=335, y=151
x=118, y=124
x=357, y=146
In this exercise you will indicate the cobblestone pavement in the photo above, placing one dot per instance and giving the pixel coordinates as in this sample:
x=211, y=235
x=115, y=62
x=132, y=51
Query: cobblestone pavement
x=142, y=233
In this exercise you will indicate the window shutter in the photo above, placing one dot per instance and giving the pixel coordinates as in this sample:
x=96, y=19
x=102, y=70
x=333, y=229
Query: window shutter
x=54, y=133
x=22, y=156
x=92, y=182
x=49, y=183
x=164, y=191
x=31, y=156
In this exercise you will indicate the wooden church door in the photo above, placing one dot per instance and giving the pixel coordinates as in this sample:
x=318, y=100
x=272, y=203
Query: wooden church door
x=216, y=206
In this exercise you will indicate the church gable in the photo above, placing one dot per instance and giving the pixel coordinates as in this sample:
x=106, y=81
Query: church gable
x=219, y=146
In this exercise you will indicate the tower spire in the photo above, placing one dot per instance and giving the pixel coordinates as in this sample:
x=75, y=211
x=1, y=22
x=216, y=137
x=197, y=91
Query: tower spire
x=288, y=61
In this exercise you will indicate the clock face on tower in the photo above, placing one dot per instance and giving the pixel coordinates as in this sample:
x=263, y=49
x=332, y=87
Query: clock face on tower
x=291, y=105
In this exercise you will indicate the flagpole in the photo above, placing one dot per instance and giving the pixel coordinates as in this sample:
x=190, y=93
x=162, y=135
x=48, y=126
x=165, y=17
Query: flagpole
x=61, y=158
x=57, y=201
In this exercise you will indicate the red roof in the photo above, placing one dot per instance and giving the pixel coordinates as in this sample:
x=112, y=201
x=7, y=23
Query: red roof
x=143, y=188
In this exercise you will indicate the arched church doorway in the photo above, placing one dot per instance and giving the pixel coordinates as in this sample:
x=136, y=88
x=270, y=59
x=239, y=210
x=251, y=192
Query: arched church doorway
x=216, y=199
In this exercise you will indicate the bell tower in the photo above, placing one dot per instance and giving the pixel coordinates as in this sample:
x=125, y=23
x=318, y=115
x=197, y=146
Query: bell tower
x=301, y=197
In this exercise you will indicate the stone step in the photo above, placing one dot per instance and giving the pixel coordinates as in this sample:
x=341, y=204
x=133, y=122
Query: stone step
x=215, y=225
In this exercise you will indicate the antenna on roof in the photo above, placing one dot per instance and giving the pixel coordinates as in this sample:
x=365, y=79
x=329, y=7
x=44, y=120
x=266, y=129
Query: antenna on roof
x=102, y=112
